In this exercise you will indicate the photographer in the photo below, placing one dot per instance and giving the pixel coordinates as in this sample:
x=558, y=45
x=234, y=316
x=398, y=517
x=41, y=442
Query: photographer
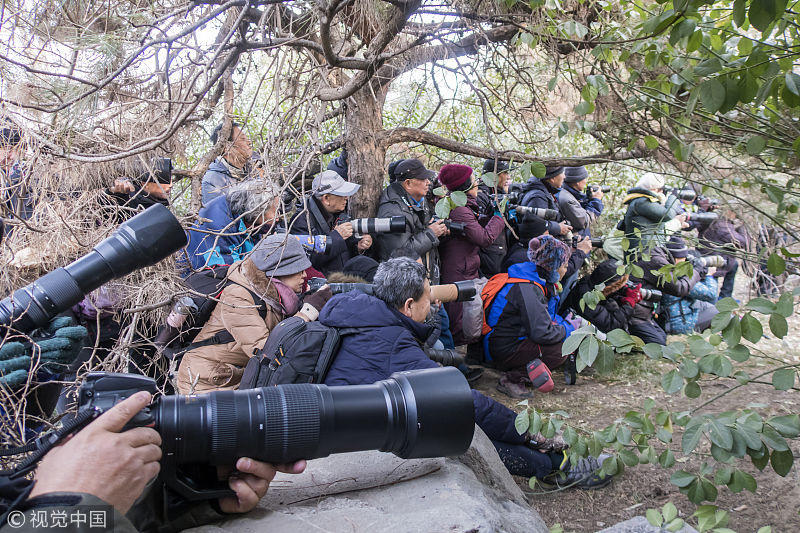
x=642, y=323
x=229, y=168
x=230, y=225
x=405, y=197
x=694, y=311
x=263, y=290
x=647, y=212
x=103, y=465
x=492, y=256
x=580, y=210
x=460, y=259
x=321, y=216
x=543, y=193
x=616, y=310
x=140, y=186
x=391, y=326
x=722, y=237
x=524, y=319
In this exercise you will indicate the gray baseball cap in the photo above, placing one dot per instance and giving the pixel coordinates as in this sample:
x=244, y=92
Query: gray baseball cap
x=329, y=182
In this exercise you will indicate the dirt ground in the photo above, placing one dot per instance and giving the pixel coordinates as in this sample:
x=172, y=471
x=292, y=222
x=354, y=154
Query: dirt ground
x=596, y=401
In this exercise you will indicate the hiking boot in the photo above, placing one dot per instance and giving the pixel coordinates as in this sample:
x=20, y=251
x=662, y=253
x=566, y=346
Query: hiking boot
x=473, y=374
x=512, y=389
x=583, y=475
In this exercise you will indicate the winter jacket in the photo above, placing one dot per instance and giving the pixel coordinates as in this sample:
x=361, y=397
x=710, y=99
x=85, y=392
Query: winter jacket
x=15, y=194
x=525, y=310
x=537, y=194
x=217, y=178
x=390, y=342
x=680, y=314
x=579, y=209
x=122, y=206
x=679, y=287
x=720, y=238
x=395, y=201
x=611, y=313
x=493, y=255
x=460, y=260
x=315, y=220
x=218, y=239
x=220, y=366
x=646, y=213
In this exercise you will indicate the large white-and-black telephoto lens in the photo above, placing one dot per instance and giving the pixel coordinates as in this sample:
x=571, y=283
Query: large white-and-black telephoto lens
x=362, y=226
x=422, y=413
x=141, y=241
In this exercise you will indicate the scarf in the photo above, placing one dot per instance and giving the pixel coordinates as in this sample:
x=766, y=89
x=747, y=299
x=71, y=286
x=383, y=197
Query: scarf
x=289, y=299
x=236, y=173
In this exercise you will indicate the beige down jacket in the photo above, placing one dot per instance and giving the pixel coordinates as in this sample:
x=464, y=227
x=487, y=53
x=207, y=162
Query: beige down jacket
x=220, y=366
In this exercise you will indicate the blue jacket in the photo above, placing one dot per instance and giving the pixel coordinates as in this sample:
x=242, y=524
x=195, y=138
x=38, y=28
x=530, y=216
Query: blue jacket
x=220, y=240
x=389, y=342
x=681, y=313
x=215, y=180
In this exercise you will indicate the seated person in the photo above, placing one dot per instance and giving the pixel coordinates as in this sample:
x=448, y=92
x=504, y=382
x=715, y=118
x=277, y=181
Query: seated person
x=322, y=216
x=230, y=225
x=523, y=316
x=263, y=290
x=694, y=311
x=616, y=310
x=391, y=327
x=642, y=324
x=229, y=168
x=139, y=187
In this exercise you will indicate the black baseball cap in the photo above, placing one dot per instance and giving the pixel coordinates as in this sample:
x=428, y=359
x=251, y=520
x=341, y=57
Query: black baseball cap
x=502, y=166
x=412, y=169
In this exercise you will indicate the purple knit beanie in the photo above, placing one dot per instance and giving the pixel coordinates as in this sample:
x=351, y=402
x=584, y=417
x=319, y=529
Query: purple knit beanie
x=549, y=254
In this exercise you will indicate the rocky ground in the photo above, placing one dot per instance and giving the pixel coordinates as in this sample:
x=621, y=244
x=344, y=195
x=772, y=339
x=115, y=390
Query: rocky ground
x=597, y=401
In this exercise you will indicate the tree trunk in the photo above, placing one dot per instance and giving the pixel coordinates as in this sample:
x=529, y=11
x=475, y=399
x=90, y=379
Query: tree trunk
x=365, y=148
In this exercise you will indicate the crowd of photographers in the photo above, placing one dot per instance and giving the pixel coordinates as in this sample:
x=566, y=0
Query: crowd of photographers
x=524, y=246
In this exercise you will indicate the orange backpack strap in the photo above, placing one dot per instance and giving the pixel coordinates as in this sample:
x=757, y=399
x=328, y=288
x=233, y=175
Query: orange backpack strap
x=490, y=290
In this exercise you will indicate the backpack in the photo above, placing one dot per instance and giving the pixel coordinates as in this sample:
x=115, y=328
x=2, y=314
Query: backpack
x=489, y=294
x=207, y=286
x=296, y=351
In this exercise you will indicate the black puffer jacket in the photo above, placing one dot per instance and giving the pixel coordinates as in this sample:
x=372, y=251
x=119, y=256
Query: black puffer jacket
x=537, y=194
x=611, y=313
x=492, y=256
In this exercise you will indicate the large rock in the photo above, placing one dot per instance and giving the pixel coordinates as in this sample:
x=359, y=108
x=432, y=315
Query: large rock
x=373, y=491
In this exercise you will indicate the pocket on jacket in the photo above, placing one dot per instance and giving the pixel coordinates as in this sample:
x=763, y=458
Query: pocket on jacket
x=226, y=374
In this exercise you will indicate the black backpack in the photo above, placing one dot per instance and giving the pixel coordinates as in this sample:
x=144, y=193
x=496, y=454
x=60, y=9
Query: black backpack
x=296, y=351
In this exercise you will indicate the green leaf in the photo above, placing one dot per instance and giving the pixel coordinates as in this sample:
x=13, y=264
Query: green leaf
x=785, y=305
x=572, y=342
x=538, y=169
x=440, y=191
x=652, y=350
x=776, y=264
x=739, y=10
x=726, y=305
x=459, y=198
x=672, y=382
x=628, y=457
x=778, y=325
x=650, y=142
x=588, y=350
x=619, y=337
x=793, y=83
x=692, y=390
x=762, y=14
x=755, y=145
x=522, y=422
x=751, y=328
x=681, y=478
x=489, y=178
x=783, y=379
x=669, y=511
x=720, y=434
x=691, y=436
x=654, y=517
x=721, y=321
x=732, y=332
x=781, y=462
x=739, y=353
x=761, y=305
x=666, y=459
x=773, y=439
x=787, y=425
x=442, y=208
x=584, y=108
x=712, y=95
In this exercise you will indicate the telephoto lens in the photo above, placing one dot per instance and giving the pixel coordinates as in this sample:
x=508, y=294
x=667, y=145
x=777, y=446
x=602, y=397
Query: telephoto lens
x=445, y=357
x=597, y=242
x=716, y=261
x=460, y=291
x=684, y=194
x=651, y=295
x=420, y=413
x=362, y=226
x=702, y=218
x=143, y=240
x=604, y=188
x=338, y=288
x=547, y=214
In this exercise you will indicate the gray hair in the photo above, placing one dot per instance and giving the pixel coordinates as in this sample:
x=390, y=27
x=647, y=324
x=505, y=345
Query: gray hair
x=399, y=279
x=651, y=182
x=249, y=199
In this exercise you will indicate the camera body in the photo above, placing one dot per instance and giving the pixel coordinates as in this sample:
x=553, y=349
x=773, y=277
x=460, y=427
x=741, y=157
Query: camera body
x=648, y=295
x=453, y=227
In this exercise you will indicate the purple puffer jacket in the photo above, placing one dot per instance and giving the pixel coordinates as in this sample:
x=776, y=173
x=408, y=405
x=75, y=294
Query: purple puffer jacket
x=459, y=253
x=713, y=241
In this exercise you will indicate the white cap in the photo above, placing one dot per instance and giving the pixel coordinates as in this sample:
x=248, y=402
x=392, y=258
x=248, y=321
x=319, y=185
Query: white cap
x=329, y=182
